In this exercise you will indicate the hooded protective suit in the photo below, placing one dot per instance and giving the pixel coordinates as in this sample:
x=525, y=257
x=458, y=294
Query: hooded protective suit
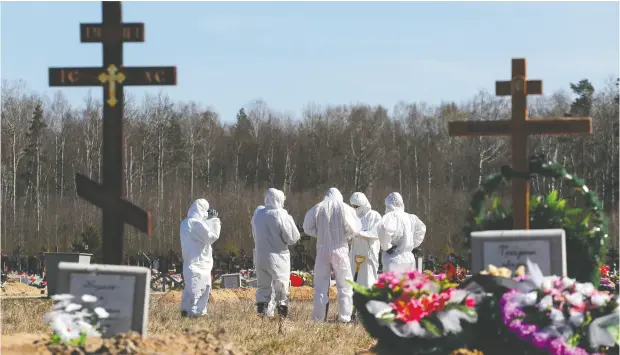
x=365, y=243
x=274, y=230
x=272, y=303
x=400, y=233
x=197, y=235
x=333, y=223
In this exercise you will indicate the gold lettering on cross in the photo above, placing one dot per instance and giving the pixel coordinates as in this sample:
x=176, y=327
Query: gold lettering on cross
x=112, y=77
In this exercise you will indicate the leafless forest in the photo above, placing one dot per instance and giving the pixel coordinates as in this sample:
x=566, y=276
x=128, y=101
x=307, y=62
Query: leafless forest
x=177, y=152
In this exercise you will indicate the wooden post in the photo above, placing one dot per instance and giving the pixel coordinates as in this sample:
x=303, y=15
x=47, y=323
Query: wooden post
x=112, y=76
x=519, y=128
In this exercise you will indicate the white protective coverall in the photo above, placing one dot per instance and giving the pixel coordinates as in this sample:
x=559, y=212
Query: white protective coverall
x=403, y=230
x=272, y=303
x=197, y=235
x=365, y=243
x=274, y=230
x=333, y=223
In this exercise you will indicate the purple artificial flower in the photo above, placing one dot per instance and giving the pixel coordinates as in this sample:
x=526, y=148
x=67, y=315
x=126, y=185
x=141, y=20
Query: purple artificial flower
x=557, y=346
x=515, y=325
x=575, y=351
x=512, y=310
x=541, y=340
x=525, y=331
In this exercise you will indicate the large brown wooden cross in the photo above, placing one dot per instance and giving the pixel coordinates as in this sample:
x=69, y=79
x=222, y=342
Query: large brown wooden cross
x=113, y=76
x=519, y=127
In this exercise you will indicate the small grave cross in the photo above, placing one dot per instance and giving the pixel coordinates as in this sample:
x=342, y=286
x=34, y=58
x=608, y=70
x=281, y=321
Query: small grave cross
x=113, y=76
x=519, y=127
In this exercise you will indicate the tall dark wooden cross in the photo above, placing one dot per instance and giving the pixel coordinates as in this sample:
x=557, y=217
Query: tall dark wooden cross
x=112, y=76
x=519, y=127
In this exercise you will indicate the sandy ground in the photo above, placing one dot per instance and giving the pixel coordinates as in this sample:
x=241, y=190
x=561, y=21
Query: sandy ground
x=188, y=342
x=29, y=338
x=14, y=289
x=22, y=326
x=304, y=293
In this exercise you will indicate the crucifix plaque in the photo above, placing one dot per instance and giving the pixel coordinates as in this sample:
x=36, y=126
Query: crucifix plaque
x=112, y=77
x=519, y=128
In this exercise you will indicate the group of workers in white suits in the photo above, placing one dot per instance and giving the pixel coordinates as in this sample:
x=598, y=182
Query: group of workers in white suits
x=333, y=223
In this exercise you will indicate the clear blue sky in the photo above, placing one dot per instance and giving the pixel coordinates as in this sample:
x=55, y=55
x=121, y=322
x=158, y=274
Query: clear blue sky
x=289, y=54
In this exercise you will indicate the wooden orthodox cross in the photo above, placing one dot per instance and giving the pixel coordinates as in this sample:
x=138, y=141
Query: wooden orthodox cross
x=113, y=76
x=519, y=127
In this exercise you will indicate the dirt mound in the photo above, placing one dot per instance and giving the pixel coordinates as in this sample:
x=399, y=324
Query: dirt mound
x=191, y=341
x=20, y=289
x=304, y=293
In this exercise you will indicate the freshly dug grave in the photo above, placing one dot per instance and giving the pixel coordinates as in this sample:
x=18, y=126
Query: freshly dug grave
x=190, y=341
x=20, y=289
x=304, y=293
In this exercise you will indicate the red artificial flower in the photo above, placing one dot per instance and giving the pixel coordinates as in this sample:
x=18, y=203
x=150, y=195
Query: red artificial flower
x=470, y=302
x=604, y=271
x=449, y=270
x=296, y=281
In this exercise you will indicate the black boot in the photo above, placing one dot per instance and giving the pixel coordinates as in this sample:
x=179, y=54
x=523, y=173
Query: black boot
x=260, y=308
x=283, y=311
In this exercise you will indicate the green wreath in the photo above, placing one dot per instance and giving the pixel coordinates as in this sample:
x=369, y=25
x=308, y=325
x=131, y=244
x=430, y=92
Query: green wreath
x=586, y=229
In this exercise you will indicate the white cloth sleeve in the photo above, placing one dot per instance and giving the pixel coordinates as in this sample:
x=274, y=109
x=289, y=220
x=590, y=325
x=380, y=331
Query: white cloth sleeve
x=288, y=228
x=419, y=231
x=310, y=227
x=208, y=231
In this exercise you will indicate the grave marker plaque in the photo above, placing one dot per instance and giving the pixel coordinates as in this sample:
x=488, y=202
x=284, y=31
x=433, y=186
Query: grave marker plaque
x=122, y=291
x=231, y=281
x=510, y=249
x=113, y=76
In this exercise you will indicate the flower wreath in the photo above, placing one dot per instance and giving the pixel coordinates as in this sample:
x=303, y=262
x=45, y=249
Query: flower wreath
x=597, y=234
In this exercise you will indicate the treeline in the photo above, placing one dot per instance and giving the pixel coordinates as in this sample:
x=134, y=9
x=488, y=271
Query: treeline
x=177, y=152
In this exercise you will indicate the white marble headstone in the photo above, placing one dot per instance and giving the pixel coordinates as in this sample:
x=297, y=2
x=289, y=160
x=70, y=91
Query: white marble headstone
x=511, y=248
x=121, y=290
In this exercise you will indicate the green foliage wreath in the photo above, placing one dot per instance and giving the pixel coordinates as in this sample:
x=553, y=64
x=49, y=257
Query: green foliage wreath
x=586, y=228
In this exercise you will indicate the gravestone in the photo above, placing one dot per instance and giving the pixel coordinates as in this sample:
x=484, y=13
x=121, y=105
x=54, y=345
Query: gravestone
x=511, y=248
x=121, y=290
x=253, y=283
x=231, y=281
x=52, y=260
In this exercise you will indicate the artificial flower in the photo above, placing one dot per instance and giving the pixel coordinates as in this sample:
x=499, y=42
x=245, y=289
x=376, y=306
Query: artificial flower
x=101, y=313
x=416, y=297
x=89, y=298
x=72, y=307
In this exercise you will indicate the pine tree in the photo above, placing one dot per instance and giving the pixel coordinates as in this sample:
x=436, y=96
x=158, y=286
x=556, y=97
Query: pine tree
x=33, y=155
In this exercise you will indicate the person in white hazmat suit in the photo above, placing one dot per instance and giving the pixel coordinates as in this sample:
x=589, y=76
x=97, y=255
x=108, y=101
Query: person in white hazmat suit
x=365, y=245
x=198, y=233
x=399, y=233
x=274, y=231
x=272, y=303
x=333, y=223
